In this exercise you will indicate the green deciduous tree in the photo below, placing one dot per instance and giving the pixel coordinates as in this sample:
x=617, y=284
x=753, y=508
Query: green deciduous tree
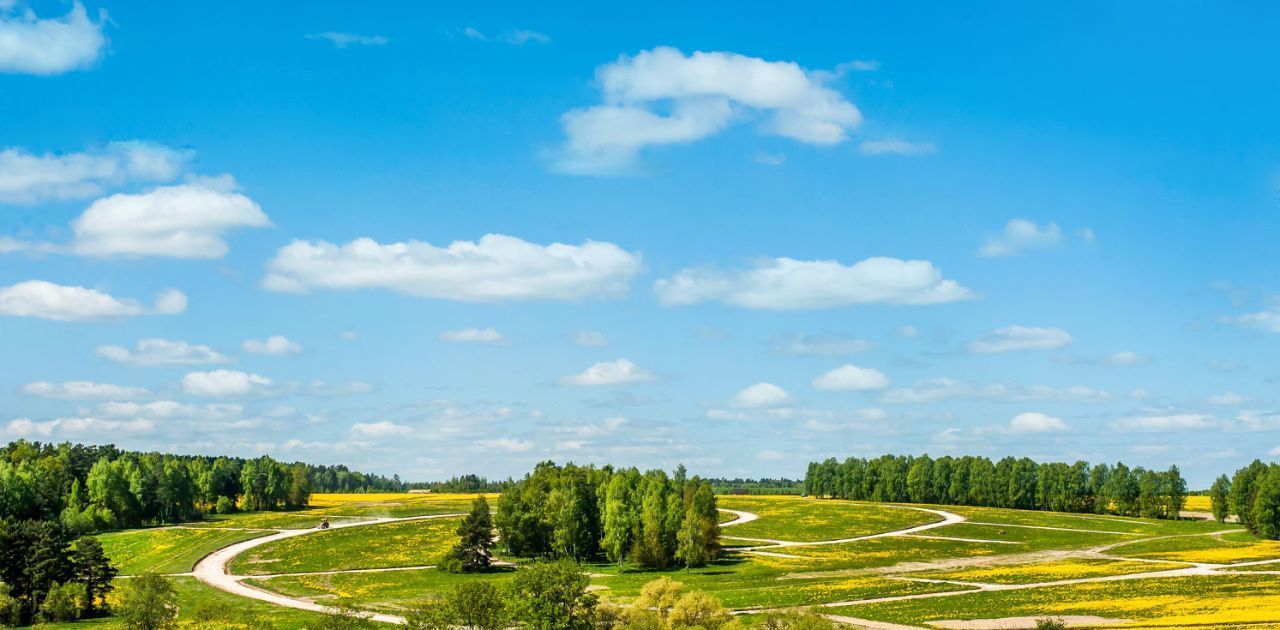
x=552, y=595
x=147, y=602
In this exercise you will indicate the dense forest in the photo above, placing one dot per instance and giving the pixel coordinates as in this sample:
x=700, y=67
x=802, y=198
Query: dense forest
x=463, y=484
x=1253, y=495
x=1008, y=483
x=756, y=486
x=653, y=519
x=95, y=488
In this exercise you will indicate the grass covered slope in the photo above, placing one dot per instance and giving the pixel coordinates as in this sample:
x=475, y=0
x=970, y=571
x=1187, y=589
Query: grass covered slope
x=403, y=544
x=808, y=520
x=167, y=549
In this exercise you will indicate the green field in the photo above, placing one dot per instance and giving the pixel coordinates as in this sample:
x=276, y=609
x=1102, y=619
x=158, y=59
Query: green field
x=998, y=563
x=406, y=544
x=167, y=549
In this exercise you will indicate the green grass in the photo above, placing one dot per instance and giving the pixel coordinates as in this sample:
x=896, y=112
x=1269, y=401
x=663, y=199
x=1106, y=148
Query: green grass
x=405, y=544
x=1047, y=571
x=265, y=520
x=202, y=606
x=811, y=520
x=165, y=549
x=1211, y=600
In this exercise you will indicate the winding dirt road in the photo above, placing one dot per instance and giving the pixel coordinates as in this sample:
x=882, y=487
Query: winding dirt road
x=214, y=569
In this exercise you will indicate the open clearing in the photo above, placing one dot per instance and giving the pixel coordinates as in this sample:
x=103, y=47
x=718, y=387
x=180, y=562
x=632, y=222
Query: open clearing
x=907, y=565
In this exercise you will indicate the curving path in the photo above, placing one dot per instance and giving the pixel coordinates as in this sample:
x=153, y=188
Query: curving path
x=214, y=569
x=948, y=518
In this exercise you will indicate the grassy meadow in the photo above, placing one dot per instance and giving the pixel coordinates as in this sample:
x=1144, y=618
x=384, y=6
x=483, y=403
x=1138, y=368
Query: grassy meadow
x=998, y=563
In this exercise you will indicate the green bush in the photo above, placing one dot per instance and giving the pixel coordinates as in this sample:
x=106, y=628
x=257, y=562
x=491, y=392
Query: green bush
x=224, y=506
x=1050, y=624
x=148, y=602
x=63, y=602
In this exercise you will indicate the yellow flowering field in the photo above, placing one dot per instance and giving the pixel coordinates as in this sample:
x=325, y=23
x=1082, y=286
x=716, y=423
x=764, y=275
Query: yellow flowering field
x=403, y=544
x=1068, y=569
x=167, y=549
x=802, y=519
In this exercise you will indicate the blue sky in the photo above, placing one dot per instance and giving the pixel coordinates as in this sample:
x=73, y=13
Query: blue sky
x=441, y=238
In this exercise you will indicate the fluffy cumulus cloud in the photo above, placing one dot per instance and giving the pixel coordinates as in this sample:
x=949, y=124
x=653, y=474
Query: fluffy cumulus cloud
x=1014, y=338
x=224, y=383
x=342, y=40
x=851, y=378
x=162, y=352
x=787, y=284
x=183, y=221
x=1265, y=321
x=384, y=428
x=31, y=45
x=46, y=300
x=496, y=268
x=505, y=445
x=473, y=335
x=1033, y=422
x=77, y=427
x=1020, y=236
x=30, y=178
x=82, y=390
x=275, y=345
x=761, y=395
x=619, y=372
x=665, y=97
x=894, y=146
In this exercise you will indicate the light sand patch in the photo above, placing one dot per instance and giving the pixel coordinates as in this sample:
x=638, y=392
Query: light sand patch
x=1014, y=623
x=868, y=624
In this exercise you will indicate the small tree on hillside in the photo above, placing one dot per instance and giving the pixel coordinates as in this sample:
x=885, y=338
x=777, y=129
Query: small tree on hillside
x=92, y=569
x=148, y=602
x=1219, y=494
x=553, y=596
x=471, y=553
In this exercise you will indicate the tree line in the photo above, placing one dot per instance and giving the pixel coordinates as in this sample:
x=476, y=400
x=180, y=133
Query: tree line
x=463, y=484
x=582, y=512
x=96, y=488
x=48, y=575
x=1019, y=483
x=1253, y=495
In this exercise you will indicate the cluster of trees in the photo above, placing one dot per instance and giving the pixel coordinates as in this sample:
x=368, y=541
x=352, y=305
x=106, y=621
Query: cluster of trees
x=1253, y=495
x=757, y=486
x=554, y=596
x=47, y=575
x=1008, y=483
x=463, y=484
x=651, y=518
x=94, y=488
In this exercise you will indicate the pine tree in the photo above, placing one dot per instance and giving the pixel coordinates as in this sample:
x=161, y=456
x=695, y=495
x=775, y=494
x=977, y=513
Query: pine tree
x=471, y=553
x=93, y=569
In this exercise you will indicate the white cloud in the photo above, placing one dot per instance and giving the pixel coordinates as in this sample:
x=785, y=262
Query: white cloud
x=162, y=352
x=1170, y=422
x=1226, y=399
x=1020, y=236
x=473, y=335
x=894, y=146
x=908, y=332
x=769, y=159
x=618, y=372
x=494, y=269
x=342, y=40
x=664, y=97
x=24, y=427
x=81, y=390
x=385, y=428
x=348, y=388
x=1127, y=358
x=851, y=378
x=1266, y=321
x=30, y=45
x=819, y=345
x=182, y=221
x=789, y=284
x=936, y=389
x=507, y=445
x=224, y=383
x=1032, y=422
x=30, y=178
x=516, y=37
x=46, y=300
x=1014, y=338
x=275, y=345
x=761, y=395
x=590, y=339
